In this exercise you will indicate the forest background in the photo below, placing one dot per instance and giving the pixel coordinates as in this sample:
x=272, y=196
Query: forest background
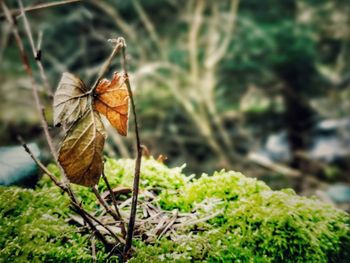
x=261, y=87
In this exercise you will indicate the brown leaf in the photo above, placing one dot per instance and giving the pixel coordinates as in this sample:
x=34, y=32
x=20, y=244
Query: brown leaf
x=81, y=151
x=112, y=100
x=70, y=100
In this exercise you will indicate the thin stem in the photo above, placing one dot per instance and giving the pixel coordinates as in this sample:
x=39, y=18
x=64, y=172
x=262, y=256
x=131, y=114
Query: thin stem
x=93, y=249
x=36, y=52
x=80, y=211
x=17, y=12
x=76, y=206
x=137, y=162
x=41, y=165
x=104, y=204
x=114, y=201
x=108, y=62
x=29, y=71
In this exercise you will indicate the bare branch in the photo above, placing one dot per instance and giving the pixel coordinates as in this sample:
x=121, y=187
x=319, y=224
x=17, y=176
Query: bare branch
x=74, y=201
x=106, y=65
x=36, y=52
x=41, y=165
x=149, y=26
x=193, y=38
x=39, y=6
x=114, y=201
x=29, y=71
x=105, y=205
x=119, y=21
x=220, y=51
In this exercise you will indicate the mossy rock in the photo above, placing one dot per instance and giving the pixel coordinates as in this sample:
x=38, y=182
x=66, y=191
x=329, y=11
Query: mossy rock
x=255, y=224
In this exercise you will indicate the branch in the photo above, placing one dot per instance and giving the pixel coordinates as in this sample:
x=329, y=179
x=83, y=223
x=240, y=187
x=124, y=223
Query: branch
x=105, y=205
x=36, y=51
x=29, y=71
x=17, y=12
x=135, y=192
x=108, y=62
x=41, y=165
x=114, y=201
x=220, y=51
x=115, y=15
x=148, y=25
x=65, y=188
x=193, y=35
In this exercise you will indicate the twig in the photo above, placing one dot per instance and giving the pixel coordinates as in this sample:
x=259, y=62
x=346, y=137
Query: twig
x=112, y=252
x=114, y=201
x=170, y=223
x=193, y=38
x=138, y=159
x=77, y=208
x=149, y=26
x=104, y=204
x=65, y=188
x=36, y=52
x=41, y=165
x=276, y=167
x=29, y=71
x=196, y=221
x=93, y=248
x=108, y=62
x=220, y=50
x=117, y=238
x=17, y=12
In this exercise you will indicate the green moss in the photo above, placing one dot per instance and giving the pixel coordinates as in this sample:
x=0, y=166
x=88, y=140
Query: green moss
x=153, y=174
x=253, y=223
x=228, y=186
x=256, y=225
x=33, y=228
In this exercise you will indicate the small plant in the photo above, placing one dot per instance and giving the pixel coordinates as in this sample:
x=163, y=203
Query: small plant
x=80, y=158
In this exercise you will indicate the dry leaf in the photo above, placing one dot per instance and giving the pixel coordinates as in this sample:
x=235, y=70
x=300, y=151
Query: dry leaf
x=70, y=100
x=81, y=151
x=112, y=100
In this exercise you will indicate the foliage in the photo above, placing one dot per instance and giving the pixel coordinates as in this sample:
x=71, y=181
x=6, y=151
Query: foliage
x=112, y=100
x=81, y=151
x=80, y=154
x=254, y=223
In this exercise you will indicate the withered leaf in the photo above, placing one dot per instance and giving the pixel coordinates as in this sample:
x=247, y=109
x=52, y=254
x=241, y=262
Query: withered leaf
x=112, y=100
x=81, y=151
x=70, y=100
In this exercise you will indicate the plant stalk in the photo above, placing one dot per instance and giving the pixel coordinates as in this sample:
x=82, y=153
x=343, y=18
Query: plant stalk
x=136, y=183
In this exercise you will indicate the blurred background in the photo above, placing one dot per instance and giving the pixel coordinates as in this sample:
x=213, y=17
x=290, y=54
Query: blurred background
x=261, y=87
